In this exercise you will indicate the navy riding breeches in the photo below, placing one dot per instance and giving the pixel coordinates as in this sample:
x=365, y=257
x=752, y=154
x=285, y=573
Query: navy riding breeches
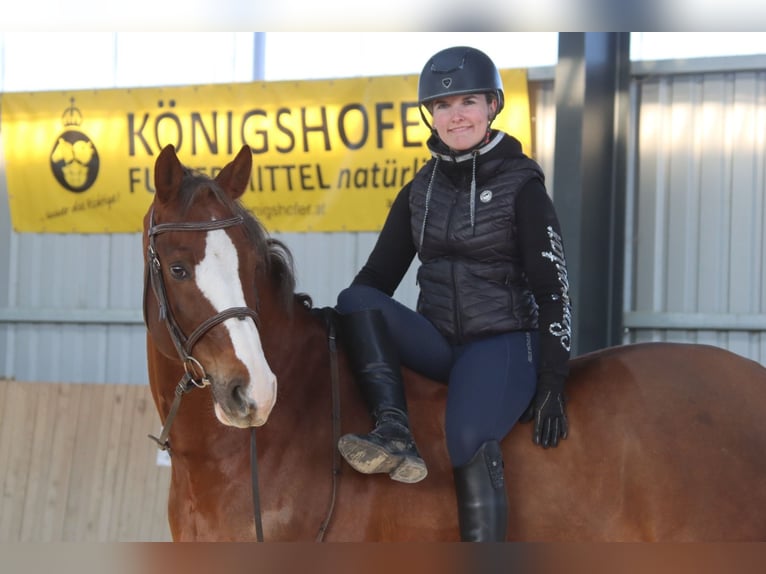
x=490, y=381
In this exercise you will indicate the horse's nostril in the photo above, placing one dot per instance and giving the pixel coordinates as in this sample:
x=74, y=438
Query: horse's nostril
x=239, y=395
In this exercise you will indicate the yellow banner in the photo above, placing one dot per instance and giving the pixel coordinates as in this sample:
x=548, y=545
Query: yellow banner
x=328, y=155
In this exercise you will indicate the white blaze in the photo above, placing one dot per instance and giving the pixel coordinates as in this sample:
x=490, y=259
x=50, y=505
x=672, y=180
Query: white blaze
x=217, y=277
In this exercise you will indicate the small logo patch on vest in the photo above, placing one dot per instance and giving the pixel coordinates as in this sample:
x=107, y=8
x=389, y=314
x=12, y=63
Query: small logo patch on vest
x=486, y=196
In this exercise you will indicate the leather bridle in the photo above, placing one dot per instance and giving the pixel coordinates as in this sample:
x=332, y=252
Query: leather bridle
x=183, y=344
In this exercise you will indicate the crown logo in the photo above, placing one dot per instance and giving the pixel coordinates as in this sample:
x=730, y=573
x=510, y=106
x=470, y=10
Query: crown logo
x=72, y=115
x=74, y=159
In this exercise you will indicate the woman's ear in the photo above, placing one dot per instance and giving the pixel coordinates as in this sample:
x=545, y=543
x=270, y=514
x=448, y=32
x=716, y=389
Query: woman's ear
x=492, y=109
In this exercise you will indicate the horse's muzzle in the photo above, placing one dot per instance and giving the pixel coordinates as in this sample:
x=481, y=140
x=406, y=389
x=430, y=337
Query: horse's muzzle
x=235, y=405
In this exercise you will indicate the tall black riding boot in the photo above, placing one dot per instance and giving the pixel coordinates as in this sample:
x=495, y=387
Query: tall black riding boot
x=389, y=447
x=482, y=502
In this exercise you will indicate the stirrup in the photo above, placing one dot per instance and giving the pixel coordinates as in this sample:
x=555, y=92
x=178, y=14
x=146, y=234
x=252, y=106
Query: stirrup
x=368, y=455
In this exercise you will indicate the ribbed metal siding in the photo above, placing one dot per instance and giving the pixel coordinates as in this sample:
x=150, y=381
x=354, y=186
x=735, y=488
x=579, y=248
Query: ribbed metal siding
x=74, y=309
x=697, y=241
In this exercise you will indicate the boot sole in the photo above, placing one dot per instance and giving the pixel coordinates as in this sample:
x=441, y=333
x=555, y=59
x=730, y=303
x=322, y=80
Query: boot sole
x=369, y=458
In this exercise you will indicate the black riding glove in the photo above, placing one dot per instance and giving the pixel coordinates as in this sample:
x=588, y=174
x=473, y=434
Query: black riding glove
x=548, y=409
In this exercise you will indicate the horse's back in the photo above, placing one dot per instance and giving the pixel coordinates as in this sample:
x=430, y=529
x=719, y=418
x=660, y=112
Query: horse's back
x=666, y=443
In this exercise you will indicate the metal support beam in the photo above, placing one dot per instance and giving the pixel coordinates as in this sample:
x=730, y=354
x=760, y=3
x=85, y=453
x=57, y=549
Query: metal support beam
x=259, y=56
x=592, y=114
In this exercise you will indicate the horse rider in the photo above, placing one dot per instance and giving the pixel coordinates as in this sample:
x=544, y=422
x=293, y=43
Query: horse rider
x=493, y=318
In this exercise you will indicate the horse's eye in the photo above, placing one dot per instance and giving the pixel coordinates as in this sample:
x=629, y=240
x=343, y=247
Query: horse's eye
x=179, y=272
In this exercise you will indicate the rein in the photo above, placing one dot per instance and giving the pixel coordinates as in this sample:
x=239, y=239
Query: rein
x=195, y=375
x=328, y=315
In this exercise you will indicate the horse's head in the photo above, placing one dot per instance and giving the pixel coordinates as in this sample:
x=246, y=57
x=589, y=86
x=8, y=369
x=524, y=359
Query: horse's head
x=200, y=300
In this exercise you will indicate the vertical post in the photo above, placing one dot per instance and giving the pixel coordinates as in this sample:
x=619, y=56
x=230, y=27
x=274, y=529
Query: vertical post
x=259, y=57
x=592, y=117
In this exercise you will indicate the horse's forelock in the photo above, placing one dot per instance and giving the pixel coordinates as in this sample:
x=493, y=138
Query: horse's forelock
x=193, y=184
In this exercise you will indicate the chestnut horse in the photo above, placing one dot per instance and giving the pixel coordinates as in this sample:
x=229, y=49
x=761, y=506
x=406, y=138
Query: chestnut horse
x=667, y=441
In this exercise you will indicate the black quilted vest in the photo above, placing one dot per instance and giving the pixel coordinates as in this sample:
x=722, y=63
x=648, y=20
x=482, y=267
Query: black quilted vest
x=471, y=280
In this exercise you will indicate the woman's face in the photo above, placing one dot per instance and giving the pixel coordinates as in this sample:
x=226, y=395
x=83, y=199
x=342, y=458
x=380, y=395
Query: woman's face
x=461, y=121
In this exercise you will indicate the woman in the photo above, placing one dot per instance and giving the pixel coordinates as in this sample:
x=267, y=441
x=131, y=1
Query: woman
x=493, y=316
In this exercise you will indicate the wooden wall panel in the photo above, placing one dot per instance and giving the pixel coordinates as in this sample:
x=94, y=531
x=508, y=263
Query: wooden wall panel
x=76, y=465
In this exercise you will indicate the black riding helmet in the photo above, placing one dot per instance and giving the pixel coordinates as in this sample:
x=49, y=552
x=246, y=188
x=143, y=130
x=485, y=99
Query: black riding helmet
x=459, y=70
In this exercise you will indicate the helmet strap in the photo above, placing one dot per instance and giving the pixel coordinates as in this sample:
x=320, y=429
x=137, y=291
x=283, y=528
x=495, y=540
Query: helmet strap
x=488, y=135
x=491, y=118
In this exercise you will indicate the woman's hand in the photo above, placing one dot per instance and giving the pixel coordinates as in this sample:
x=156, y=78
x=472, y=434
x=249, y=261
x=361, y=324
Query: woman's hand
x=548, y=410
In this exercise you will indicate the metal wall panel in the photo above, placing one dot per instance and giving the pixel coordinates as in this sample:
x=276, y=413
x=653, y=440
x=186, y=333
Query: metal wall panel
x=73, y=309
x=698, y=243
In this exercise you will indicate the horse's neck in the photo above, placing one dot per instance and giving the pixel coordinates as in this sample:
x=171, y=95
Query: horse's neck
x=291, y=338
x=299, y=352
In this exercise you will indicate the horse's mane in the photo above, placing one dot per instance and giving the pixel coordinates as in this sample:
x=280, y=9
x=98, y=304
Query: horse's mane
x=276, y=256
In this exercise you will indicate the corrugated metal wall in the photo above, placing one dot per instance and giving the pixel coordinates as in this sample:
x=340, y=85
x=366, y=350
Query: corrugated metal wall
x=70, y=305
x=696, y=246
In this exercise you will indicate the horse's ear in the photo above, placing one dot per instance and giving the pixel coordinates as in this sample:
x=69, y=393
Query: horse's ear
x=168, y=174
x=235, y=177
